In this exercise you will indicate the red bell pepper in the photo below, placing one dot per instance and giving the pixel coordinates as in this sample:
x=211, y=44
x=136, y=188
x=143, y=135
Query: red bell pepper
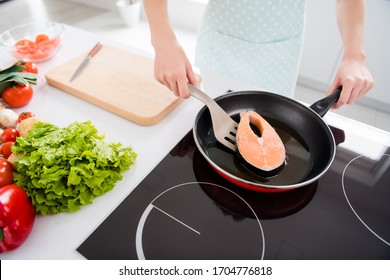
x=17, y=216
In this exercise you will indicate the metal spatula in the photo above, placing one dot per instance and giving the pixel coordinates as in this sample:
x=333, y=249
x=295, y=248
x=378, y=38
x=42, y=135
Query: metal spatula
x=224, y=126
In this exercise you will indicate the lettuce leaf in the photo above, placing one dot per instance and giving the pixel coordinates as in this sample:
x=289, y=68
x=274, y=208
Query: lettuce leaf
x=62, y=169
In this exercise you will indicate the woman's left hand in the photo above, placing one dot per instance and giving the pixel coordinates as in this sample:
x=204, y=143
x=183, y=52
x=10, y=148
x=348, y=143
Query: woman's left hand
x=356, y=80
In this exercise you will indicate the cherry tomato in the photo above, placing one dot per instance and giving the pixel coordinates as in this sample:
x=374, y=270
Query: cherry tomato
x=6, y=172
x=5, y=149
x=17, y=95
x=25, y=46
x=9, y=134
x=30, y=67
x=25, y=115
x=41, y=38
x=40, y=49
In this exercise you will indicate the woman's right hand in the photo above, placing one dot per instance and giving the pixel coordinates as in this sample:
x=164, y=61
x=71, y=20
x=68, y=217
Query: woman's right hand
x=171, y=65
x=173, y=69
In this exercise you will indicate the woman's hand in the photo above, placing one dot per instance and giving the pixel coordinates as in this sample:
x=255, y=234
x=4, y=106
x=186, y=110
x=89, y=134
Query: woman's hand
x=171, y=65
x=173, y=69
x=352, y=73
x=356, y=80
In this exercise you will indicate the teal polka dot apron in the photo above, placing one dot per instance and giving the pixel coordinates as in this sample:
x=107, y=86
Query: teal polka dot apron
x=258, y=42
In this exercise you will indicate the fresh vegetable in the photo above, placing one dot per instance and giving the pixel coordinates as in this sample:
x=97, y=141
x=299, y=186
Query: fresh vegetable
x=8, y=118
x=5, y=149
x=39, y=49
x=41, y=38
x=6, y=173
x=18, y=95
x=29, y=67
x=62, y=169
x=14, y=75
x=25, y=115
x=27, y=124
x=25, y=46
x=17, y=217
x=9, y=134
x=12, y=158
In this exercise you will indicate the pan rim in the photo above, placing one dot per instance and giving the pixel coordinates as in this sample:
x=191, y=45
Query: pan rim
x=255, y=185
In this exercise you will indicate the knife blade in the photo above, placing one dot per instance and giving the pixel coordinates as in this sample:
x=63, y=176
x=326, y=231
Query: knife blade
x=86, y=60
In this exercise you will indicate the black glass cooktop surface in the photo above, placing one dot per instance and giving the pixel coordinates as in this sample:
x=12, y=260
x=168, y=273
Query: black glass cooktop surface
x=184, y=210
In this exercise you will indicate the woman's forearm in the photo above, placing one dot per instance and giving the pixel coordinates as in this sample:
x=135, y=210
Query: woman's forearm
x=171, y=65
x=350, y=20
x=158, y=19
x=352, y=74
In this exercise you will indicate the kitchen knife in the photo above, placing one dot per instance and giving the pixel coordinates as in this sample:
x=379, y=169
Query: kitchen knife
x=86, y=60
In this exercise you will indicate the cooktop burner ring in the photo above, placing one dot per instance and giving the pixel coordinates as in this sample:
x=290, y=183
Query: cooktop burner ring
x=350, y=203
x=157, y=205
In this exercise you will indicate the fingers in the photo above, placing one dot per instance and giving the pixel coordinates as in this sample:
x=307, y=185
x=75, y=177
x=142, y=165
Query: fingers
x=183, y=89
x=173, y=69
x=172, y=81
x=177, y=86
x=356, y=82
x=191, y=75
x=353, y=90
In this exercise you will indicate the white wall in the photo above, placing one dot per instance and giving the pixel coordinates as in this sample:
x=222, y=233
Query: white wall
x=183, y=13
x=186, y=14
x=106, y=4
x=322, y=45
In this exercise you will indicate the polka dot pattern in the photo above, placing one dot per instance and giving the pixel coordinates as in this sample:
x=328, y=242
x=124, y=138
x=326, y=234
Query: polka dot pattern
x=256, y=41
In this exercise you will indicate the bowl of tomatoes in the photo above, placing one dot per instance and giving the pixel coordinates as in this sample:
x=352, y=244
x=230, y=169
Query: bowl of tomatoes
x=36, y=41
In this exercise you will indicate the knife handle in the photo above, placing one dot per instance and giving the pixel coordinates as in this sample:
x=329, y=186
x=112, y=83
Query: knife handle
x=95, y=49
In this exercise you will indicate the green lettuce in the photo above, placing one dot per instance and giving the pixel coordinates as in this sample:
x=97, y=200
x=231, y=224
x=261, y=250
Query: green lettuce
x=62, y=169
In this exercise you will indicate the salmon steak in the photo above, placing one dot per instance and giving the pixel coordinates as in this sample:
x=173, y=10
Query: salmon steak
x=259, y=146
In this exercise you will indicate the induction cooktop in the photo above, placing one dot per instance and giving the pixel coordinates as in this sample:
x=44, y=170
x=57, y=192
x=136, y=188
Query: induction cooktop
x=184, y=210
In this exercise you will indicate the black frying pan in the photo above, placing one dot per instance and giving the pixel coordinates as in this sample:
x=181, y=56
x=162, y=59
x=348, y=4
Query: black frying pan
x=309, y=142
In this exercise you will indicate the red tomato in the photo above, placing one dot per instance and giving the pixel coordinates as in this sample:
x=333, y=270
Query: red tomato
x=40, y=49
x=25, y=115
x=17, y=217
x=38, y=55
x=9, y=134
x=25, y=46
x=18, y=95
x=6, y=172
x=41, y=38
x=30, y=67
x=5, y=149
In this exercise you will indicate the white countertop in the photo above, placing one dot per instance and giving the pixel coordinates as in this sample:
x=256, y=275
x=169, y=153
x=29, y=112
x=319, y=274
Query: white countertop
x=58, y=236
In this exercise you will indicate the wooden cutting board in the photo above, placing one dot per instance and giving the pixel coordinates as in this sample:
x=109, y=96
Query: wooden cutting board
x=120, y=82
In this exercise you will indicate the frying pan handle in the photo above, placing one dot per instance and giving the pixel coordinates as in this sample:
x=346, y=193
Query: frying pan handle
x=322, y=106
